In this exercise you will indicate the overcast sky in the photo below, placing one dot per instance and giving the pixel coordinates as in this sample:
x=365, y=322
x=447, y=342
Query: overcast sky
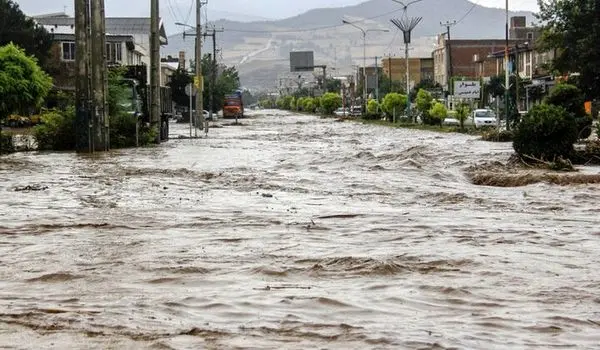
x=255, y=8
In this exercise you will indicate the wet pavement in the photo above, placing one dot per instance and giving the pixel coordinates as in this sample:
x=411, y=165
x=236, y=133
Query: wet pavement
x=293, y=232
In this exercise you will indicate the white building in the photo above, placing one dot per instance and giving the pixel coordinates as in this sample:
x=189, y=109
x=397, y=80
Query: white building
x=127, y=38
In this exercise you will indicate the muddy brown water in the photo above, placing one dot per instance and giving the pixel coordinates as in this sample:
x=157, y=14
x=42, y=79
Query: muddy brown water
x=293, y=232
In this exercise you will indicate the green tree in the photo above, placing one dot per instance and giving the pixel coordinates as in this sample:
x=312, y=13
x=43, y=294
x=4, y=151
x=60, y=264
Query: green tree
x=438, y=112
x=425, y=84
x=393, y=104
x=462, y=113
x=571, y=28
x=23, y=84
x=330, y=102
x=372, y=107
x=179, y=80
x=23, y=31
x=424, y=101
x=386, y=86
x=227, y=82
x=333, y=85
x=572, y=100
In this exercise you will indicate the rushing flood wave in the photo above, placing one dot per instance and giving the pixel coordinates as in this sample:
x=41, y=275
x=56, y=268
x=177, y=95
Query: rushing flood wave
x=293, y=232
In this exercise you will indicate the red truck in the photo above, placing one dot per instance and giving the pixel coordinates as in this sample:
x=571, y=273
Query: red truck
x=233, y=106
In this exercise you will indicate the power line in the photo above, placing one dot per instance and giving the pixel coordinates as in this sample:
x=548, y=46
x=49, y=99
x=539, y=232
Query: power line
x=468, y=13
x=314, y=28
x=189, y=11
x=172, y=11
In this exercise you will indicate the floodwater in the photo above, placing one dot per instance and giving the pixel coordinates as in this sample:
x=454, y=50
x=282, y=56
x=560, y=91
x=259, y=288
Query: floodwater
x=293, y=232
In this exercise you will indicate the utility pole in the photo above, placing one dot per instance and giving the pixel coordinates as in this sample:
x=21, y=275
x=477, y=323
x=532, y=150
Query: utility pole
x=199, y=79
x=98, y=42
x=390, y=67
x=83, y=129
x=506, y=74
x=450, y=70
x=155, y=69
x=213, y=77
x=376, y=79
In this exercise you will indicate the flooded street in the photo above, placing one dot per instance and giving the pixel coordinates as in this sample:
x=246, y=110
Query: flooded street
x=293, y=232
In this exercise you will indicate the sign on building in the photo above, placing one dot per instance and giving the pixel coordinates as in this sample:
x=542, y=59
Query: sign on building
x=467, y=89
x=302, y=61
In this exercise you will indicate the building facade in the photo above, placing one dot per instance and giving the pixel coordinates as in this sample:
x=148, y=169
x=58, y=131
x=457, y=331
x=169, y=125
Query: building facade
x=420, y=69
x=127, y=44
x=466, y=58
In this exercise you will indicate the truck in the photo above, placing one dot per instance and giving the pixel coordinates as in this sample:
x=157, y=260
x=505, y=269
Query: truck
x=233, y=106
x=136, y=79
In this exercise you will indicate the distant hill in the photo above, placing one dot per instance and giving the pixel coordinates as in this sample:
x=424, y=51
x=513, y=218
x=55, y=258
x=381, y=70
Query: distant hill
x=260, y=49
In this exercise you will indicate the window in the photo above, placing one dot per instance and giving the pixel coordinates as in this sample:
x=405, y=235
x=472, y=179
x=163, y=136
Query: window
x=68, y=51
x=530, y=36
x=114, y=52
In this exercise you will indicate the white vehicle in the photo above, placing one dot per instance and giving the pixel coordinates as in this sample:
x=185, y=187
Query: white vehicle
x=484, y=118
x=451, y=120
x=341, y=112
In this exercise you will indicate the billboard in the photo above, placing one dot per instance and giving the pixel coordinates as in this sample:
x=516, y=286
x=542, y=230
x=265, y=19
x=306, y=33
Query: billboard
x=302, y=61
x=467, y=89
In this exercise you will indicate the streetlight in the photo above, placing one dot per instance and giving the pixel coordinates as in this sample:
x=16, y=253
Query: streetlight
x=364, y=33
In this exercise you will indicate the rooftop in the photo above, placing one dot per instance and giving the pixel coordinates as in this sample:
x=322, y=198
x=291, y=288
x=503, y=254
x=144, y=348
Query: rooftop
x=62, y=24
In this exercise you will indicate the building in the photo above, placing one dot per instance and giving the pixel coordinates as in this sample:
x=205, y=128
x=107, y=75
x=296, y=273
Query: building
x=527, y=61
x=127, y=44
x=371, y=73
x=420, y=69
x=467, y=58
x=530, y=63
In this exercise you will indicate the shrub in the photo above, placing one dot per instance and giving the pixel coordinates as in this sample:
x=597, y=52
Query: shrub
x=372, y=110
x=57, y=131
x=317, y=102
x=300, y=103
x=437, y=113
x=122, y=130
x=571, y=98
x=308, y=105
x=293, y=104
x=423, y=102
x=546, y=132
x=330, y=102
x=497, y=136
x=394, y=104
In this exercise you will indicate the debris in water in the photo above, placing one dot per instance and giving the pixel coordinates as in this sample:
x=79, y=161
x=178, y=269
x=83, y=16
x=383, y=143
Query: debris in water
x=30, y=188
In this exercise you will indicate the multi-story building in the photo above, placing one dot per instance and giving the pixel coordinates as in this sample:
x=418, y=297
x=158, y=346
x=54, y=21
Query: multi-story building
x=419, y=69
x=463, y=58
x=530, y=62
x=127, y=44
x=526, y=60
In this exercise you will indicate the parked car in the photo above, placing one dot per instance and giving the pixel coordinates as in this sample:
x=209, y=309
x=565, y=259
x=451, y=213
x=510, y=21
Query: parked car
x=356, y=111
x=451, y=120
x=342, y=112
x=484, y=118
